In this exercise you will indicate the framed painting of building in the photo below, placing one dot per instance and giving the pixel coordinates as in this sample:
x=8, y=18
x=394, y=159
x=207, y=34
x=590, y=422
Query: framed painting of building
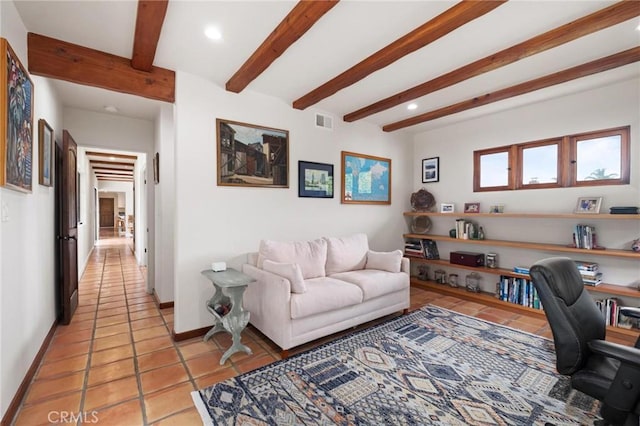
x=315, y=180
x=251, y=155
x=16, y=113
x=365, y=179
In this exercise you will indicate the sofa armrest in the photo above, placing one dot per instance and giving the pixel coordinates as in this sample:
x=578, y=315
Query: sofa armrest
x=405, y=265
x=268, y=300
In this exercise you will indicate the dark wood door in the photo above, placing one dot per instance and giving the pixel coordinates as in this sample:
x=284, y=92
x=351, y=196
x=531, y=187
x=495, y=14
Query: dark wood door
x=106, y=212
x=69, y=227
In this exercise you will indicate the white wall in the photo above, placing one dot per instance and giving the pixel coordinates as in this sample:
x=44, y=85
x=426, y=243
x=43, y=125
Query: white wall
x=27, y=240
x=611, y=106
x=86, y=225
x=107, y=131
x=225, y=223
x=165, y=192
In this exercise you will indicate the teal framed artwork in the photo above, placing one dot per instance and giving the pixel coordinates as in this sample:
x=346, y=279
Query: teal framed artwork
x=365, y=179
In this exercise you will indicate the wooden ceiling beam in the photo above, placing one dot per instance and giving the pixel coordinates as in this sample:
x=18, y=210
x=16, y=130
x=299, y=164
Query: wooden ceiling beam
x=451, y=19
x=111, y=163
x=604, y=18
x=301, y=18
x=599, y=65
x=49, y=57
x=149, y=21
x=109, y=155
x=114, y=171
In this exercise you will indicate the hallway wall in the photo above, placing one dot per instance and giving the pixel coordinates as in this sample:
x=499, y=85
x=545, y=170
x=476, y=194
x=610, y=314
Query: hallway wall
x=27, y=240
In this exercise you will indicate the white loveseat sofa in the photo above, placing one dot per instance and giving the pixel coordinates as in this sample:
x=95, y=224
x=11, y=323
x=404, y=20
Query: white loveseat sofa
x=309, y=289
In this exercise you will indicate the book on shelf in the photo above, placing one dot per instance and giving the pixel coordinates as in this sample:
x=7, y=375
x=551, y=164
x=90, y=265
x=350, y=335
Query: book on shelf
x=521, y=270
x=413, y=248
x=430, y=249
x=610, y=310
x=520, y=291
x=584, y=237
x=589, y=272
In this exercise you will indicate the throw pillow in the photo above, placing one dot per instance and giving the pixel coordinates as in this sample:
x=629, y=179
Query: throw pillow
x=389, y=261
x=290, y=271
x=347, y=253
x=310, y=255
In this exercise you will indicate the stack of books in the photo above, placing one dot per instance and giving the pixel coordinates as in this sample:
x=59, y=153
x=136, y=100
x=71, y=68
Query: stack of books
x=589, y=271
x=413, y=248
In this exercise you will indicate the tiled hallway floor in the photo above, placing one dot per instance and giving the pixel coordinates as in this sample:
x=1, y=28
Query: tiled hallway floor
x=116, y=363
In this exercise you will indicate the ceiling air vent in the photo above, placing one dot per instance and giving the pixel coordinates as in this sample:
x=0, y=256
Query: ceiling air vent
x=324, y=121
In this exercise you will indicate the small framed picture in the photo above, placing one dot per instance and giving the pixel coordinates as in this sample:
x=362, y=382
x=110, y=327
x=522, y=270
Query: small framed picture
x=472, y=207
x=447, y=208
x=496, y=208
x=589, y=205
x=431, y=170
x=315, y=180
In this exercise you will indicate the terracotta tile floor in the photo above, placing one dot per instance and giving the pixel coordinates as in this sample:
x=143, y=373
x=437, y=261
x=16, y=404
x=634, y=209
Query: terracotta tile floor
x=116, y=363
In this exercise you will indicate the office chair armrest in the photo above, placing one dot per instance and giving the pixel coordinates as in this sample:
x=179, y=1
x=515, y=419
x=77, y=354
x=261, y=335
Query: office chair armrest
x=630, y=312
x=624, y=354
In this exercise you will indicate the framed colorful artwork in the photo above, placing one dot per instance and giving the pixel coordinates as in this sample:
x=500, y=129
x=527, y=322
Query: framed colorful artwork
x=16, y=113
x=315, y=180
x=45, y=153
x=365, y=179
x=250, y=155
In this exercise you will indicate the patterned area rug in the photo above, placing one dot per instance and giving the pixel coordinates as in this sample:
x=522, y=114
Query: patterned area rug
x=432, y=366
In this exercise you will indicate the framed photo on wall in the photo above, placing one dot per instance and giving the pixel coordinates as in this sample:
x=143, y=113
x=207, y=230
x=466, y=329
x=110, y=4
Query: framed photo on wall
x=431, y=170
x=315, y=180
x=251, y=155
x=45, y=153
x=365, y=179
x=16, y=113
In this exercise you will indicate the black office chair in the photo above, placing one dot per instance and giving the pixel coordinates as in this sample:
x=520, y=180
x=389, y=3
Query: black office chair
x=606, y=371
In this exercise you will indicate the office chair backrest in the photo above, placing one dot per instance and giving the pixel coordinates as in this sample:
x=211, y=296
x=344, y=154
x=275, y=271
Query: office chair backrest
x=572, y=314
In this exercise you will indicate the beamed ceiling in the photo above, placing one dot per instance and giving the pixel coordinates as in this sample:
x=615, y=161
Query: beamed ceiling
x=356, y=60
x=112, y=166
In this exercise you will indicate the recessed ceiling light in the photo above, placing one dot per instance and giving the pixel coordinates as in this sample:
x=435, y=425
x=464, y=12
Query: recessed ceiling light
x=110, y=108
x=213, y=33
x=411, y=107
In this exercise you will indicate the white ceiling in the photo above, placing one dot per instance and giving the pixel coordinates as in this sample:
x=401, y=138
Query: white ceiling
x=347, y=34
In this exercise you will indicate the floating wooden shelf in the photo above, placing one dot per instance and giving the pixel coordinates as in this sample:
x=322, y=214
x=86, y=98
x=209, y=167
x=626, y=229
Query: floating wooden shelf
x=530, y=246
x=611, y=289
x=583, y=216
x=490, y=299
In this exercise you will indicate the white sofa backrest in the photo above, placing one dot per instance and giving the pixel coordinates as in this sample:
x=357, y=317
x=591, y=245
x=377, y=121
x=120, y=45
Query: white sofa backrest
x=311, y=256
x=346, y=253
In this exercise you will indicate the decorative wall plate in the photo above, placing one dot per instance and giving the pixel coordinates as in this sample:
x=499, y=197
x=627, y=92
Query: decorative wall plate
x=422, y=201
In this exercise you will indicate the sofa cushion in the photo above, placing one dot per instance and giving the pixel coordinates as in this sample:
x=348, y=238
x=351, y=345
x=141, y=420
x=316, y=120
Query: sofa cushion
x=290, y=271
x=385, y=261
x=310, y=255
x=375, y=283
x=347, y=253
x=323, y=295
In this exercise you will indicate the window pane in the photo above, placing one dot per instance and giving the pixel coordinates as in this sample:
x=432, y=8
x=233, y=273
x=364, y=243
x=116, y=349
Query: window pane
x=599, y=158
x=494, y=169
x=540, y=165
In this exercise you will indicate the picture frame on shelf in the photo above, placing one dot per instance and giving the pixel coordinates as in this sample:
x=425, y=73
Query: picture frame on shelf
x=496, y=208
x=251, y=155
x=45, y=153
x=366, y=179
x=16, y=139
x=588, y=205
x=315, y=180
x=431, y=170
x=472, y=207
x=447, y=208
